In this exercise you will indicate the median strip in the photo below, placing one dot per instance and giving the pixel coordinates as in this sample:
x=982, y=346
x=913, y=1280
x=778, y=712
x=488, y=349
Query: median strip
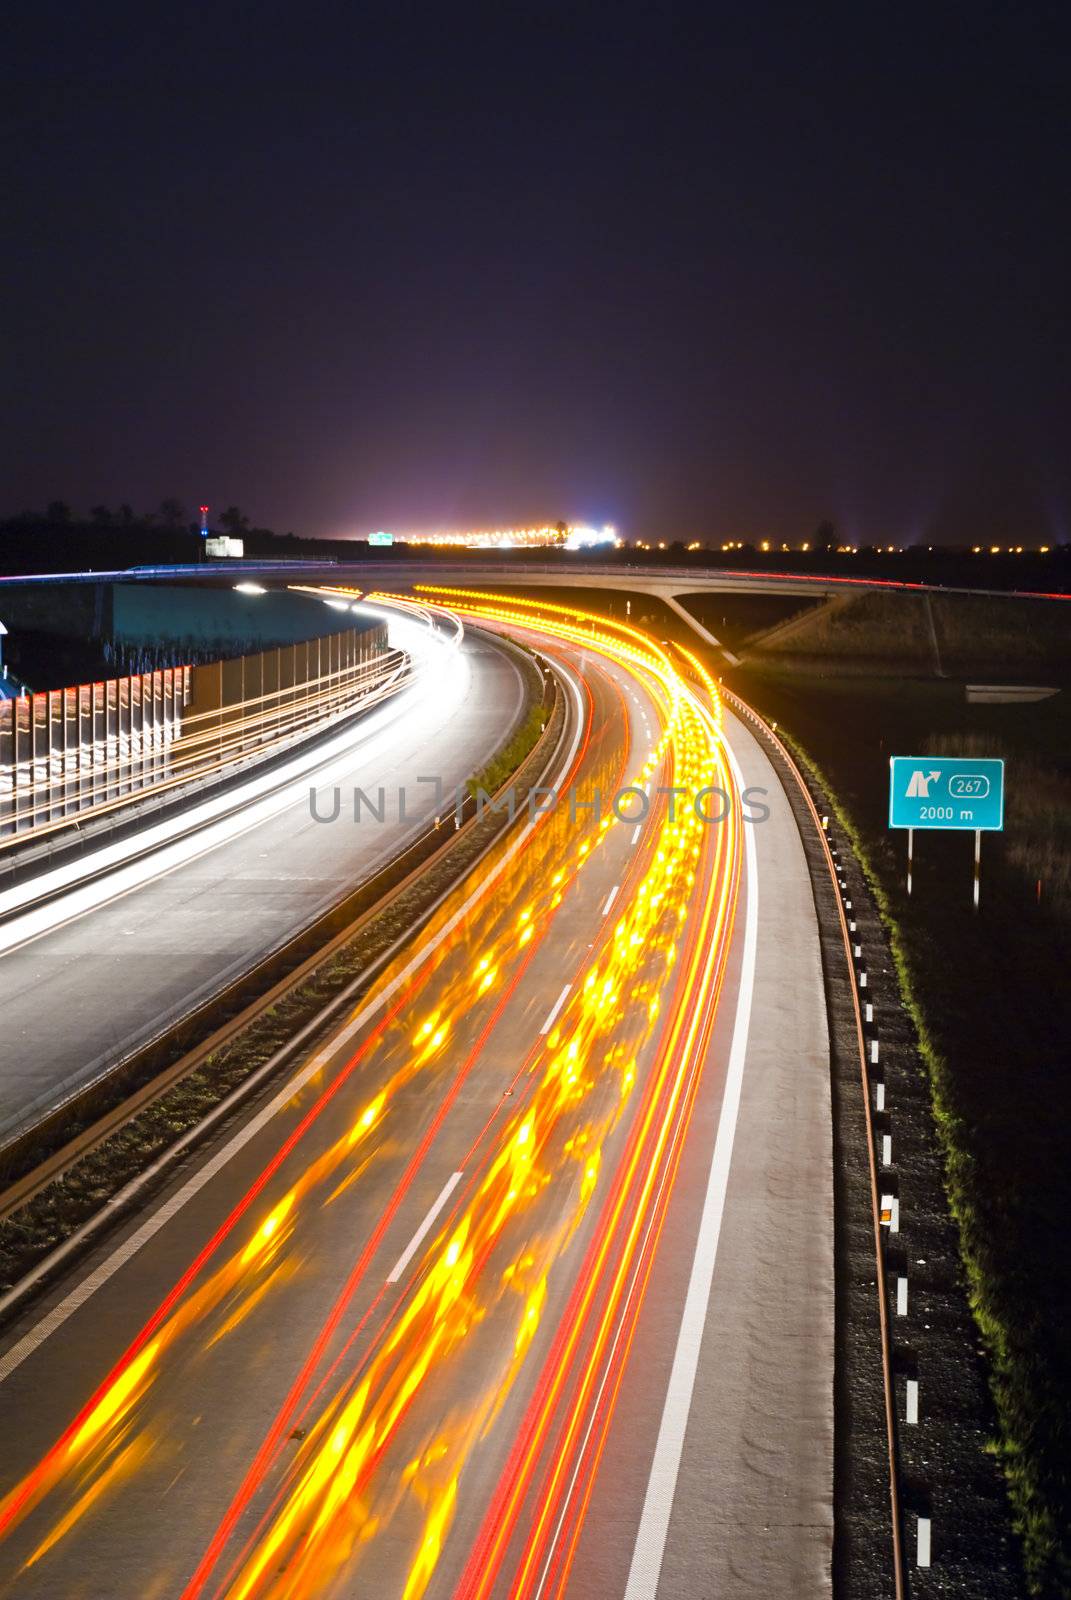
x=49, y=1204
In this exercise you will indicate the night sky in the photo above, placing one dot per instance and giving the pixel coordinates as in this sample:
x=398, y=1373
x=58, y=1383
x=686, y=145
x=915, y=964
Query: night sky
x=715, y=273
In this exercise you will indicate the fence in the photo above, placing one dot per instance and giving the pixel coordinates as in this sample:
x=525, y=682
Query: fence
x=78, y=752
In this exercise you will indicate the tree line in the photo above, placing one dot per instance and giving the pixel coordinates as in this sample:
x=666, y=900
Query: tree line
x=170, y=514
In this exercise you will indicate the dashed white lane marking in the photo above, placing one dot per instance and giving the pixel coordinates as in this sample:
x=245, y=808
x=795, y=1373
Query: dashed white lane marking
x=415, y=1242
x=650, y=1543
x=611, y=897
x=555, y=1008
x=636, y=833
x=157, y=1219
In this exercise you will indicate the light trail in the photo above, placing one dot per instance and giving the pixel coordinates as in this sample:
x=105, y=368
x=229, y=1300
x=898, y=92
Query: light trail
x=313, y=1532
x=116, y=1397
x=562, y=1203
x=195, y=745
x=49, y=899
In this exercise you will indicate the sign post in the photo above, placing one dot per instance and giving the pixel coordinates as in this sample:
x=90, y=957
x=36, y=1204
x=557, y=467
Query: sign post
x=959, y=793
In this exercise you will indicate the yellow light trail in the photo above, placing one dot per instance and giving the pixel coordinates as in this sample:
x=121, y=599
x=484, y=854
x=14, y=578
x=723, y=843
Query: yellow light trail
x=501, y=1256
x=344, y=1494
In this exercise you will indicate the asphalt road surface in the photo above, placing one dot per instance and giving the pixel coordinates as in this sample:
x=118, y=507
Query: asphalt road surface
x=523, y=1284
x=83, y=995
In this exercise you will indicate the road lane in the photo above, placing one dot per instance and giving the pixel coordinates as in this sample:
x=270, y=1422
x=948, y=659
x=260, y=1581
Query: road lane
x=750, y=1509
x=285, y=1348
x=79, y=998
x=232, y=1382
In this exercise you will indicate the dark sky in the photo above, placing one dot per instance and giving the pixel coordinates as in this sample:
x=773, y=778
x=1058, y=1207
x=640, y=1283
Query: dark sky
x=709, y=272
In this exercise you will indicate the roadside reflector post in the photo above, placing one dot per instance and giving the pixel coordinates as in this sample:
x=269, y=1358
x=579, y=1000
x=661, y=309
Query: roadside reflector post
x=912, y=1406
x=873, y=1051
x=922, y=1557
x=879, y=1096
x=890, y=1213
x=901, y=1311
x=869, y=1012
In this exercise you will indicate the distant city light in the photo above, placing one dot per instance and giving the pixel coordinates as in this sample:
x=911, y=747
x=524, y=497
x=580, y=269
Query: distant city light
x=569, y=536
x=584, y=538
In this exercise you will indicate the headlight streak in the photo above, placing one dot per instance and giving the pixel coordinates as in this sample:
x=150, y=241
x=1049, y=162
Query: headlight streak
x=209, y=741
x=594, y=1396
x=341, y=1487
x=316, y=1530
x=122, y=1391
x=502, y=1518
x=546, y=901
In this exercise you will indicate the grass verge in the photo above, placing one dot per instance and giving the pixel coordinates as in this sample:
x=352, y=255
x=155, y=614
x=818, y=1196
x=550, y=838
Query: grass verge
x=509, y=758
x=1028, y=1389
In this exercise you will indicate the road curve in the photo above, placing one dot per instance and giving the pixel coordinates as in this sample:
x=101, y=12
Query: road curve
x=96, y=984
x=523, y=1285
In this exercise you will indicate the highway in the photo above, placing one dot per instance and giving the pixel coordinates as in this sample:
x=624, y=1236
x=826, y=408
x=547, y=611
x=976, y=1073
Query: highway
x=523, y=1283
x=119, y=957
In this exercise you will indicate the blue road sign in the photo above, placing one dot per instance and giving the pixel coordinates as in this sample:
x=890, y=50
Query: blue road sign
x=946, y=792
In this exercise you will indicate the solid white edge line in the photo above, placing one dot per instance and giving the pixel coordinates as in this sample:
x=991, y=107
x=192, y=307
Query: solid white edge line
x=649, y=1549
x=611, y=897
x=129, y=1247
x=555, y=1008
x=418, y=1238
